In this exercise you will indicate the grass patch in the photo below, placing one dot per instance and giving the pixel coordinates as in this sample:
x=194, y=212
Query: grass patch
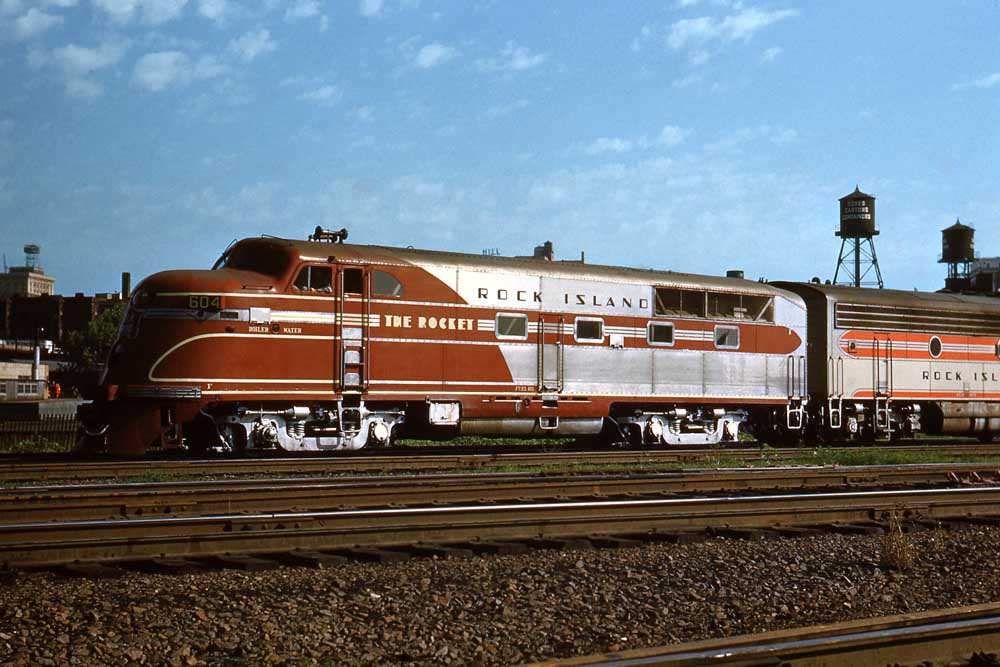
x=897, y=552
x=34, y=445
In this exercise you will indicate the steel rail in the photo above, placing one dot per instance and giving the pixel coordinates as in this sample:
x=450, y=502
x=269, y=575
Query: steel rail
x=26, y=471
x=935, y=636
x=99, y=501
x=30, y=544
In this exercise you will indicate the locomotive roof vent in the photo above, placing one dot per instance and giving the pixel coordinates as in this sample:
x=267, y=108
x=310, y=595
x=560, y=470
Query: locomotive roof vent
x=329, y=236
x=735, y=273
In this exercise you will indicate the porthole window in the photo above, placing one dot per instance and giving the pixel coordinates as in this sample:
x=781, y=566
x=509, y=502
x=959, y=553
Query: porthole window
x=934, y=347
x=727, y=338
x=512, y=326
x=659, y=333
x=589, y=330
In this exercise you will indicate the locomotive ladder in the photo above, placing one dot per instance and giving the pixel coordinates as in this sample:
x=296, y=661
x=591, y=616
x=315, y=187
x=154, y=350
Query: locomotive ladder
x=835, y=399
x=882, y=384
x=352, y=371
x=546, y=384
x=795, y=384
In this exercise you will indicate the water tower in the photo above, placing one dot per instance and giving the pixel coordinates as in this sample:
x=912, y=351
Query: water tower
x=958, y=250
x=31, y=255
x=857, y=250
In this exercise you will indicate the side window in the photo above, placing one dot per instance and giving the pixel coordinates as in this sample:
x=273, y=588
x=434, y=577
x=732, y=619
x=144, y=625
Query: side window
x=589, y=329
x=727, y=337
x=512, y=327
x=660, y=333
x=353, y=281
x=385, y=284
x=318, y=278
x=678, y=302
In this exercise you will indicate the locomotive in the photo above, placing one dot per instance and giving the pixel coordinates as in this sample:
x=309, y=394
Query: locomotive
x=321, y=345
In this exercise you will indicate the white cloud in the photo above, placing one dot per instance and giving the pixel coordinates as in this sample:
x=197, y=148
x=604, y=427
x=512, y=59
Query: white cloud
x=506, y=110
x=363, y=114
x=302, y=9
x=687, y=81
x=64, y=4
x=34, y=23
x=120, y=11
x=770, y=54
x=987, y=81
x=608, y=145
x=432, y=55
x=253, y=44
x=167, y=69
x=83, y=88
x=741, y=26
x=514, y=58
x=370, y=7
x=156, y=12
x=159, y=71
x=213, y=10
x=671, y=135
x=324, y=95
x=743, y=135
x=77, y=63
x=80, y=60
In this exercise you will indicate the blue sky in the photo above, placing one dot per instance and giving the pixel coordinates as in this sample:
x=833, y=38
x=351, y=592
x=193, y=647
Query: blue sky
x=691, y=135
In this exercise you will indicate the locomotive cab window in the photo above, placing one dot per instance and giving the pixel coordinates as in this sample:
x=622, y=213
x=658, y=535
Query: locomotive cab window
x=659, y=333
x=385, y=284
x=315, y=278
x=727, y=338
x=260, y=258
x=512, y=326
x=589, y=330
x=353, y=281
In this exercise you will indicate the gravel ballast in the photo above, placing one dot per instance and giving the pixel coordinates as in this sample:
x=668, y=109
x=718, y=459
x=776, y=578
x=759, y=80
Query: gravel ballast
x=494, y=610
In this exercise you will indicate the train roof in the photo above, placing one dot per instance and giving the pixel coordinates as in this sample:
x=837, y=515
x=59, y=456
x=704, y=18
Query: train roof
x=562, y=268
x=900, y=298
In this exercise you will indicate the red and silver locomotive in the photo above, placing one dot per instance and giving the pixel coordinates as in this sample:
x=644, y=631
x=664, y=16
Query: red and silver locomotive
x=299, y=346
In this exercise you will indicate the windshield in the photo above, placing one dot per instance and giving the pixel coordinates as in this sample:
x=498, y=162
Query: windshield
x=266, y=259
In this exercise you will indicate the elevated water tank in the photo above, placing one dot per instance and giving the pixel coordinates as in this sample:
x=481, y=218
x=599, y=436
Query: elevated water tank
x=958, y=243
x=31, y=254
x=857, y=215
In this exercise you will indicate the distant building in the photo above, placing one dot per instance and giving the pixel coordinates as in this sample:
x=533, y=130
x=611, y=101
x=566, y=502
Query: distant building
x=26, y=281
x=985, y=274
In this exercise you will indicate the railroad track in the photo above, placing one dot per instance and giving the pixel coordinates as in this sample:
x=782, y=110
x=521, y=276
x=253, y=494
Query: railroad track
x=188, y=498
x=27, y=470
x=60, y=542
x=933, y=637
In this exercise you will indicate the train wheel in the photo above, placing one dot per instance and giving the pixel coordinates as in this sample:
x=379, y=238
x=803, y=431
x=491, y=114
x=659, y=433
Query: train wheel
x=235, y=436
x=985, y=438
